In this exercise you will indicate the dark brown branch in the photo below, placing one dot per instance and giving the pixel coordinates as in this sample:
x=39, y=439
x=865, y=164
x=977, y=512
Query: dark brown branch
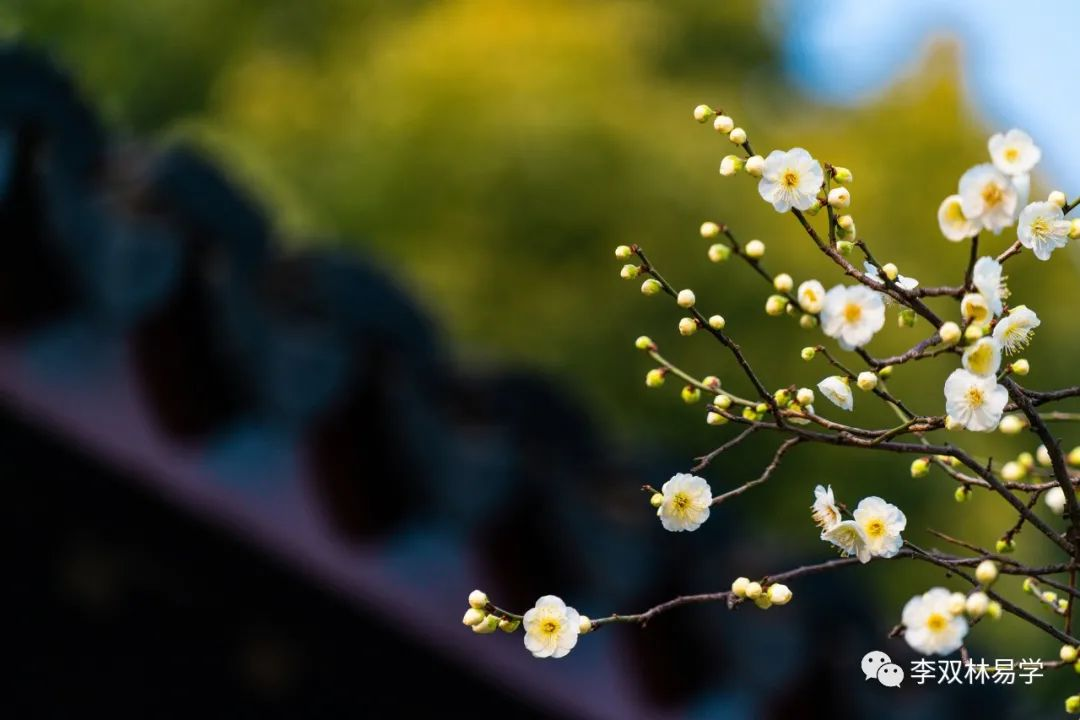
x=765, y=475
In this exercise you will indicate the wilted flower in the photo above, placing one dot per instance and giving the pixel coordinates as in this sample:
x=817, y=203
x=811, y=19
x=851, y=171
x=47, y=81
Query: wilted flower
x=838, y=390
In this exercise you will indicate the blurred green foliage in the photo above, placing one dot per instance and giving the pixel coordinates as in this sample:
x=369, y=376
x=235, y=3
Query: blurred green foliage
x=492, y=154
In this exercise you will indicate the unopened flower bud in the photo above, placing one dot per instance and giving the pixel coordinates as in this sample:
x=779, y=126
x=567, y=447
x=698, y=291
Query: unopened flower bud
x=1074, y=229
x=974, y=332
x=1005, y=547
x=808, y=353
x=949, y=333
x=906, y=318
x=737, y=136
x=508, y=626
x=805, y=396
x=1049, y=597
x=808, y=322
x=644, y=342
x=783, y=283
x=920, y=467
x=1027, y=460
x=957, y=603
x=722, y=401
x=1068, y=653
x=723, y=124
x=754, y=249
x=842, y=174
x=993, y=610
x=486, y=626
x=712, y=382
x=763, y=601
x=629, y=272
x=703, y=113
x=1055, y=500
x=755, y=165
x=473, y=617
x=839, y=197
x=713, y=418
x=730, y=165
x=1057, y=198
x=976, y=605
x=1073, y=458
x=1072, y=704
x=779, y=594
x=962, y=494
x=656, y=500
x=952, y=423
x=687, y=326
x=686, y=299
x=986, y=572
x=719, y=252
x=775, y=305
x=890, y=270
x=885, y=372
x=867, y=381
x=651, y=286
x=1020, y=367
x=654, y=378
x=753, y=590
x=690, y=394
x=1012, y=424
x=1013, y=471
x=844, y=247
x=1042, y=456
x=623, y=252
x=782, y=396
x=845, y=222
x=717, y=322
x=584, y=624
x=739, y=585
x=1028, y=585
x=478, y=599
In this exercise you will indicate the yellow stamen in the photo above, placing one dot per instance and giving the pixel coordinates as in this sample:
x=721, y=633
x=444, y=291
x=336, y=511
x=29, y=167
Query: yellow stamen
x=852, y=312
x=975, y=397
x=936, y=622
x=992, y=194
x=790, y=179
x=875, y=528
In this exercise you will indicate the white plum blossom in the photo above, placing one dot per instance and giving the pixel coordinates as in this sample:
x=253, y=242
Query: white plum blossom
x=988, y=197
x=1014, y=330
x=975, y=402
x=983, y=357
x=987, y=278
x=1055, y=500
x=687, y=499
x=930, y=626
x=790, y=180
x=906, y=283
x=849, y=536
x=852, y=315
x=551, y=628
x=955, y=226
x=1042, y=228
x=881, y=523
x=837, y=389
x=811, y=296
x=1014, y=152
x=825, y=512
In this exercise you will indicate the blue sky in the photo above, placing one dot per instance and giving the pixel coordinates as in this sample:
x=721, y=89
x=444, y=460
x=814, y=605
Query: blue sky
x=1021, y=60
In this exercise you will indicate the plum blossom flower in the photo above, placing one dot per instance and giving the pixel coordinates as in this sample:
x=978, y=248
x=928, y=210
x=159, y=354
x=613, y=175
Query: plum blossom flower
x=838, y=391
x=825, y=512
x=852, y=315
x=881, y=523
x=790, y=180
x=987, y=278
x=988, y=197
x=930, y=626
x=1014, y=152
x=975, y=309
x=551, y=628
x=955, y=226
x=811, y=296
x=1015, y=329
x=849, y=536
x=975, y=402
x=1042, y=228
x=687, y=499
x=983, y=357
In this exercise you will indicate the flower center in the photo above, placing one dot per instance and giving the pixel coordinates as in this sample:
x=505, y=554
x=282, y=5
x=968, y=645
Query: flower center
x=550, y=627
x=852, y=312
x=992, y=194
x=936, y=622
x=875, y=528
x=1012, y=154
x=681, y=501
x=980, y=359
x=790, y=179
x=975, y=397
x=1040, y=227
